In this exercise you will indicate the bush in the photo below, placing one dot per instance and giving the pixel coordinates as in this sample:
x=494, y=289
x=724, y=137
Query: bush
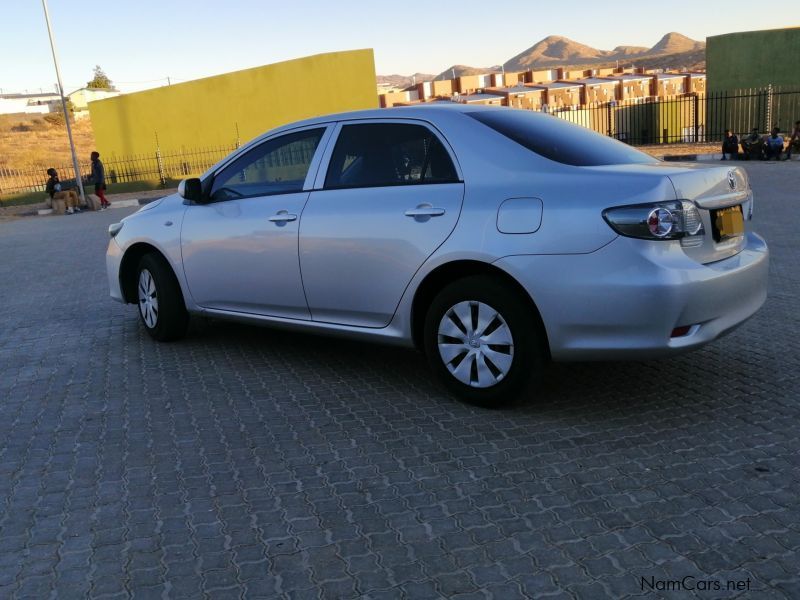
x=21, y=127
x=54, y=119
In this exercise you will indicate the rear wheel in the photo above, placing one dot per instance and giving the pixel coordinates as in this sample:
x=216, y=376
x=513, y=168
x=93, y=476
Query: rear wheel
x=161, y=307
x=483, y=341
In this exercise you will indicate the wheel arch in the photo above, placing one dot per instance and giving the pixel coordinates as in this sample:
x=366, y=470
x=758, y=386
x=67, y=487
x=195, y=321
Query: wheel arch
x=129, y=264
x=446, y=274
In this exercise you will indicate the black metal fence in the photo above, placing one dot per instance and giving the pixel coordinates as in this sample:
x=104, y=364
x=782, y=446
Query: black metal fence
x=690, y=118
x=158, y=166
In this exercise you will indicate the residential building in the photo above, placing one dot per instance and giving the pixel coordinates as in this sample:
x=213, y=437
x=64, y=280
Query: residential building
x=562, y=93
x=597, y=90
x=484, y=99
x=520, y=96
x=632, y=85
x=559, y=87
x=544, y=75
x=396, y=98
x=442, y=88
x=468, y=84
x=41, y=103
x=574, y=74
x=425, y=90
x=80, y=98
x=696, y=83
x=669, y=84
x=508, y=79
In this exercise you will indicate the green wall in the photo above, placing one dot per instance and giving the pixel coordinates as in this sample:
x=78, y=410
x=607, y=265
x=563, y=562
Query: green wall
x=752, y=59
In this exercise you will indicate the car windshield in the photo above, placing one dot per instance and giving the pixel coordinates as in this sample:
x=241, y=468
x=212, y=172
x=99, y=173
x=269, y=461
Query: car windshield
x=559, y=140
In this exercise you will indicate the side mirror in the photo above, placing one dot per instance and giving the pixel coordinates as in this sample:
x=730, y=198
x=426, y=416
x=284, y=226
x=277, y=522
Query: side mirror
x=191, y=189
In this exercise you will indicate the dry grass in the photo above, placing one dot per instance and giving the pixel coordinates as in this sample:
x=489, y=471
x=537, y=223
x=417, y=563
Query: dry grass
x=30, y=141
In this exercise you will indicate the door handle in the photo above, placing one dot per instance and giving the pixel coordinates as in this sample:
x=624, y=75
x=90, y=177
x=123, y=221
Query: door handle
x=425, y=210
x=282, y=216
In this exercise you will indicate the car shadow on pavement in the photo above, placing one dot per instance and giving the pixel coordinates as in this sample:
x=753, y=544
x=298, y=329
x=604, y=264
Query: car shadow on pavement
x=692, y=384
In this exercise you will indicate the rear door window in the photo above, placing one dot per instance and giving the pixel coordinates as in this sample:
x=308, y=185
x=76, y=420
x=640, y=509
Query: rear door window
x=388, y=154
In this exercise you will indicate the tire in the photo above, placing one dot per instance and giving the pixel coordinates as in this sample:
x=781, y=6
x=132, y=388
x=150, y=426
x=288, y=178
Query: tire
x=463, y=320
x=160, y=301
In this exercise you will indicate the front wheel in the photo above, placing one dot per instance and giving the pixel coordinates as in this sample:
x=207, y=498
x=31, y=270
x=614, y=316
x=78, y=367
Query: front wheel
x=483, y=341
x=161, y=307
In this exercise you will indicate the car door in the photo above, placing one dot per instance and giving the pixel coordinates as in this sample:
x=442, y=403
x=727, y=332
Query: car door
x=240, y=249
x=391, y=196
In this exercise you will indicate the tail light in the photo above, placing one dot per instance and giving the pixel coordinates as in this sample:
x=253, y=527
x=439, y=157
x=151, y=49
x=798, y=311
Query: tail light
x=670, y=220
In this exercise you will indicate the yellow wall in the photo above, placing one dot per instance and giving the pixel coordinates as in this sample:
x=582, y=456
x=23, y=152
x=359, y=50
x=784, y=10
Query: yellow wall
x=205, y=112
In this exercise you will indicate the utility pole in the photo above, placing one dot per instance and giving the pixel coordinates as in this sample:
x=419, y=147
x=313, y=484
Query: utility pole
x=64, y=104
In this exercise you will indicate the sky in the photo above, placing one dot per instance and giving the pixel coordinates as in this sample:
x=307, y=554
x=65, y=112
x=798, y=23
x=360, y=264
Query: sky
x=140, y=43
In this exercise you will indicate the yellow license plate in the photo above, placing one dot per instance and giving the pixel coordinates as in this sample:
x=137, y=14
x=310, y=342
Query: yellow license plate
x=728, y=222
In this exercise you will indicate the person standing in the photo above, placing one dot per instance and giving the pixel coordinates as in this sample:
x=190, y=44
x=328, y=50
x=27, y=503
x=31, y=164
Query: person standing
x=730, y=146
x=99, y=179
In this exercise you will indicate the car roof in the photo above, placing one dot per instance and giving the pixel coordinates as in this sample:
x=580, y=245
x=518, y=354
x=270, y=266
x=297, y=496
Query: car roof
x=427, y=110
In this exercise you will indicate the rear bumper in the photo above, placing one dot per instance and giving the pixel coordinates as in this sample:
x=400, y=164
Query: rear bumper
x=624, y=300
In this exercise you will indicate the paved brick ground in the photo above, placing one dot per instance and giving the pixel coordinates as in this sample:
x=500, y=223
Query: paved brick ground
x=249, y=463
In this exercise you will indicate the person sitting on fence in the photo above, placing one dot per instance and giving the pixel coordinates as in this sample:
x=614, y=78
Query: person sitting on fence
x=753, y=145
x=98, y=176
x=57, y=191
x=730, y=146
x=774, y=144
x=794, y=141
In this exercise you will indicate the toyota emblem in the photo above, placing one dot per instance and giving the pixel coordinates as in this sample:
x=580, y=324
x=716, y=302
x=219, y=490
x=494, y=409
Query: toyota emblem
x=732, y=180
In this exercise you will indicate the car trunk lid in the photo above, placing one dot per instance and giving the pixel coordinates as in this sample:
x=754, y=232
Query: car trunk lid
x=724, y=199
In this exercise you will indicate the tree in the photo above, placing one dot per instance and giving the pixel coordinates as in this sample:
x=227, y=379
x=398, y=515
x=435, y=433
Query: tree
x=100, y=81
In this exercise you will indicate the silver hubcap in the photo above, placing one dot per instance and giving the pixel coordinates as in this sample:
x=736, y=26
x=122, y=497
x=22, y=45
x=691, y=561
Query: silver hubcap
x=148, y=299
x=475, y=344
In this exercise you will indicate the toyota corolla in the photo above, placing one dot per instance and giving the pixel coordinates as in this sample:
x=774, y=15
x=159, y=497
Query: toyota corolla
x=493, y=239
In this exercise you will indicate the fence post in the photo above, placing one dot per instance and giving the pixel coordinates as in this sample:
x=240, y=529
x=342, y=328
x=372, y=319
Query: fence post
x=162, y=176
x=768, y=128
x=696, y=118
x=608, y=118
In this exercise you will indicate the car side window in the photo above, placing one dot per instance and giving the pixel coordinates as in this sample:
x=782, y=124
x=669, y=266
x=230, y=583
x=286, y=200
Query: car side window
x=383, y=154
x=278, y=166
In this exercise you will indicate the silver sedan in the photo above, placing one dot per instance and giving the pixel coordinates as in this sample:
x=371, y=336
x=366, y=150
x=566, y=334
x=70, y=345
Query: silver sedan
x=493, y=239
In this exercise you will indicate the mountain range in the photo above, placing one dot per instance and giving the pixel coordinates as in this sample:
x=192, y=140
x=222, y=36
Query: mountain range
x=673, y=51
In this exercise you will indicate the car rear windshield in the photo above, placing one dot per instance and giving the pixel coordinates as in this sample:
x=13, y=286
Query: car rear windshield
x=559, y=140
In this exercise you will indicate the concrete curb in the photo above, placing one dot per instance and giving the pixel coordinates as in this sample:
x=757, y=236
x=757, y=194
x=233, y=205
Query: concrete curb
x=124, y=203
x=43, y=212
x=706, y=158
